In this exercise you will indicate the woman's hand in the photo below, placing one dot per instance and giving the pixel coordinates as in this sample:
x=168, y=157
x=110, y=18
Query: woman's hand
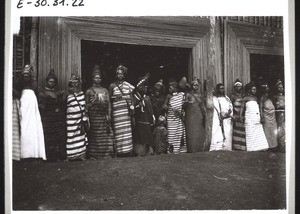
x=165, y=107
x=242, y=119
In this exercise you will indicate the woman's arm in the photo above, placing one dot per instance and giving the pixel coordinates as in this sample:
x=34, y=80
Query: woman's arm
x=107, y=99
x=166, y=103
x=87, y=99
x=243, y=107
x=261, y=107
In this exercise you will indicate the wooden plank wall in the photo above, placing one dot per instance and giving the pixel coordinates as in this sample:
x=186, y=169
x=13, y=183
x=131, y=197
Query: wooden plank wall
x=161, y=31
x=243, y=39
x=70, y=53
x=236, y=60
x=59, y=49
x=199, y=60
x=48, y=49
x=218, y=75
x=269, y=21
x=259, y=39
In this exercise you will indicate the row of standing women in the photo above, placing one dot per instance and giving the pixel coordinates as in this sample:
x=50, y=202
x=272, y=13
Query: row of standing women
x=247, y=122
x=123, y=120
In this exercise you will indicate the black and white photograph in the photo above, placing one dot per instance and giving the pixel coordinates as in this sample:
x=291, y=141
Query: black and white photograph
x=148, y=113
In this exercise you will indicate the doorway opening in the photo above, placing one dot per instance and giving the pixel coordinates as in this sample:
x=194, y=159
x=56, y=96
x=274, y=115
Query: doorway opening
x=161, y=62
x=267, y=68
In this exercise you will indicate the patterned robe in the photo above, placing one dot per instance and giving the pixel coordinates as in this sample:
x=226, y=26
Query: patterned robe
x=160, y=137
x=175, y=124
x=16, y=149
x=255, y=136
x=238, y=135
x=100, y=136
x=76, y=141
x=121, y=119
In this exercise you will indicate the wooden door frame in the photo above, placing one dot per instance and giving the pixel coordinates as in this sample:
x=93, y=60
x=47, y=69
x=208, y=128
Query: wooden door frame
x=182, y=32
x=255, y=39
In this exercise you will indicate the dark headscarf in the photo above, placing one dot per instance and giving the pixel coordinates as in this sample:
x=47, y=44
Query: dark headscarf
x=122, y=68
x=27, y=70
x=96, y=71
x=51, y=75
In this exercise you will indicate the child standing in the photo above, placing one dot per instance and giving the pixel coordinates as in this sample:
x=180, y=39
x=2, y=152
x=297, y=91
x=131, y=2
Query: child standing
x=160, y=137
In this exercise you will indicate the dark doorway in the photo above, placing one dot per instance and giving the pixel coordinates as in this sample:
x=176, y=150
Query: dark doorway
x=267, y=68
x=160, y=62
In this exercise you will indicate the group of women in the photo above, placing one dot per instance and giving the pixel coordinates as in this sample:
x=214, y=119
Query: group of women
x=251, y=121
x=127, y=120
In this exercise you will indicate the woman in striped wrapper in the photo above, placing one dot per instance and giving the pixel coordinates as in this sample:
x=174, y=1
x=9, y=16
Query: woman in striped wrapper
x=99, y=111
x=121, y=98
x=255, y=137
x=76, y=138
x=175, y=117
x=238, y=135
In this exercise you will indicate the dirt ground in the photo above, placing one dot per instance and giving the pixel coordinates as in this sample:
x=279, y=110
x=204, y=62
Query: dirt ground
x=198, y=181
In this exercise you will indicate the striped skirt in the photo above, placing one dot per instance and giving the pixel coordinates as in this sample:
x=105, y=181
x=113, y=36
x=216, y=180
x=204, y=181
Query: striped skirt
x=238, y=136
x=255, y=137
x=16, y=149
x=100, y=140
x=76, y=141
x=176, y=134
x=122, y=127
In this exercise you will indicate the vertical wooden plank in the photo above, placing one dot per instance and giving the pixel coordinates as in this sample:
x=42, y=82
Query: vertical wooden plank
x=33, y=50
x=208, y=84
x=190, y=63
x=78, y=52
x=218, y=50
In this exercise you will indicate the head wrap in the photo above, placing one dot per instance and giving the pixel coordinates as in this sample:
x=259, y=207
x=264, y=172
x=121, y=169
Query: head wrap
x=51, y=75
x=238, y=83
x=122, y=68
x=74, y=78
x=159, y=85
x=27, y=70
x=183, y=83
x=161, y=119
x=174, y=84
x=249, y=86
x=195, y=80
x=96, y=71
x=219, y=85
x=279, y=82
x=264, y=84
